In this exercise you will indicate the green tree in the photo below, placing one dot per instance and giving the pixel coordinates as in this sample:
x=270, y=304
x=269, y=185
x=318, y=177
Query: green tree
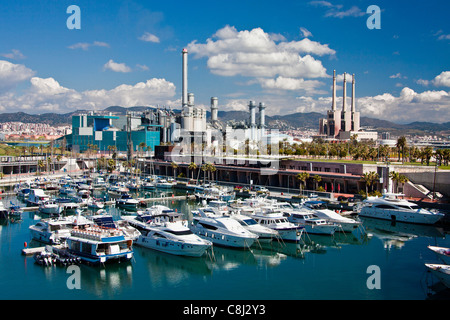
x=302, y=177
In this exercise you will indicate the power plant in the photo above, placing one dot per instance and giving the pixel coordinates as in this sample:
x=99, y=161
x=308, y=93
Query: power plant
x=342, y=124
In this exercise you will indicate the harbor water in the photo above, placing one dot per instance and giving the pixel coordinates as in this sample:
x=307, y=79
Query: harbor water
x=319, y=268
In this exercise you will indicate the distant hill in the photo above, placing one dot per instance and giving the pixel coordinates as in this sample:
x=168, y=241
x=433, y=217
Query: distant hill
x=282, y=122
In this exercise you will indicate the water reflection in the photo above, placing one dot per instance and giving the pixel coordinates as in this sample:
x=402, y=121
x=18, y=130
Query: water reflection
x=396, y=234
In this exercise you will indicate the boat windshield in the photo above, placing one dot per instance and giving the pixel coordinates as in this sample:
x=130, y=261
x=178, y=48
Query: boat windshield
x=180, y=232
x=250, y=222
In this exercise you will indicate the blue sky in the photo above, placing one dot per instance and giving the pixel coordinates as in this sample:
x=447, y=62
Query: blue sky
x=282, y=53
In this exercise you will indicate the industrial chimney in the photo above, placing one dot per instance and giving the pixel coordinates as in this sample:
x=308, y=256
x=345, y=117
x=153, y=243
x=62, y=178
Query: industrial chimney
x=344, y=106
x=185, y=79
x=214, y=109
x=353, y=94
x=262, y=115
x=333, y=104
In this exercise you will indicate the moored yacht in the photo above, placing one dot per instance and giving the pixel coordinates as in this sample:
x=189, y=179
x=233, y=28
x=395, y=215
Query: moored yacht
x=127, y=202
x=391, y=207
x=264, y=234
x=36, y=197
x=164, y=230
x=50, y=207
x=319, y=210
x=276, y=221
x=96, y=245
x=312, y=225
x=54, y=231
x=221, y=230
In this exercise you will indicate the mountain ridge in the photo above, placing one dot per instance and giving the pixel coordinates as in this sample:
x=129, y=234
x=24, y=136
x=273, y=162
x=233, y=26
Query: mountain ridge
x=309, y=120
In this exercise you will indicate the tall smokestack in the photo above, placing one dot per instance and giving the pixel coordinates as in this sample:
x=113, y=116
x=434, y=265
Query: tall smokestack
x=344, y=106
x=353, y=94
x=252, y=109
x=262, y=115
x=333, y=103
x=214, y=109
x=185, y=79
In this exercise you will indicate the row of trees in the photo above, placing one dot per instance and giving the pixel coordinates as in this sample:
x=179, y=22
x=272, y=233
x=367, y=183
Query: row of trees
x=370, y=180
x=366, y=150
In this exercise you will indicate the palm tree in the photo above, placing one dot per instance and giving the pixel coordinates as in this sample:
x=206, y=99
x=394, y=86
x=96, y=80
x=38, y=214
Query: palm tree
x=192, y=167
x=212, y=169
x=141, y=146
x=41, y=165
x=174, y=167
x=302, y=176
x=317, y=179
x=395, y=176
x=401, y=145
x=369, y=178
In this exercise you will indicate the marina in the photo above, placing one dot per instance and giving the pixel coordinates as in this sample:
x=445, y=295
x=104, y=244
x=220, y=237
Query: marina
x=303, y=264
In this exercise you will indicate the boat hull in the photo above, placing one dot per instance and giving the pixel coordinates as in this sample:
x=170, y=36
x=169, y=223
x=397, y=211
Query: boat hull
x=394, y=215
x=443, y=253
x=178, y=248
x=441, y=271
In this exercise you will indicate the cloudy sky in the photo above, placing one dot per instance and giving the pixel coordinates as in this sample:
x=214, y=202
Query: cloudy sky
x=282, y=53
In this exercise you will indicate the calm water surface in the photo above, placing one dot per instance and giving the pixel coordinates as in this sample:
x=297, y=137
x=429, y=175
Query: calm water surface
x=322, y=267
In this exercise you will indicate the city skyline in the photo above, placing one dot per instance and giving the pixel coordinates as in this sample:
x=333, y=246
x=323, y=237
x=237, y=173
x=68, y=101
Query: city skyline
x=128, y=53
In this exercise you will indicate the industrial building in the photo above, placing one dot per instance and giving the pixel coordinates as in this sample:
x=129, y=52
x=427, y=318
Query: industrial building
x=103, y=131
x=342, y=124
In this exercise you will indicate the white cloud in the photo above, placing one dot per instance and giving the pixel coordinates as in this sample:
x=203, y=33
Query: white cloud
x=423, y=82
x=12, y=74
x=442, y=80
x=305, y=32
x=273, y=61
x=291, y=84
x=85, y=45
x=116, y=67
x=14, y=54
x=396, y=76
x=148, y=37
x=48, y=95
x=336, y=11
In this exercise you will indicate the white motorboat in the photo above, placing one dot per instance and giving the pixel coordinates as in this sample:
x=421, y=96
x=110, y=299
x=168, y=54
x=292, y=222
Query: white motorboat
x=164, y=230
x=118, y=189
x=96, y=204
x=264, y=234
x=96, y=245
x=391, y=207
x=441, y=271
x=99, y=183
x=312, y=225
x=276, y=221
x=221, y=230
x=319, y=210
x=213, y=192
x=127, y=202
x=54, y=231
x=36, y=197
x=163, y=184
x=50, y=207
x=442, y=252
